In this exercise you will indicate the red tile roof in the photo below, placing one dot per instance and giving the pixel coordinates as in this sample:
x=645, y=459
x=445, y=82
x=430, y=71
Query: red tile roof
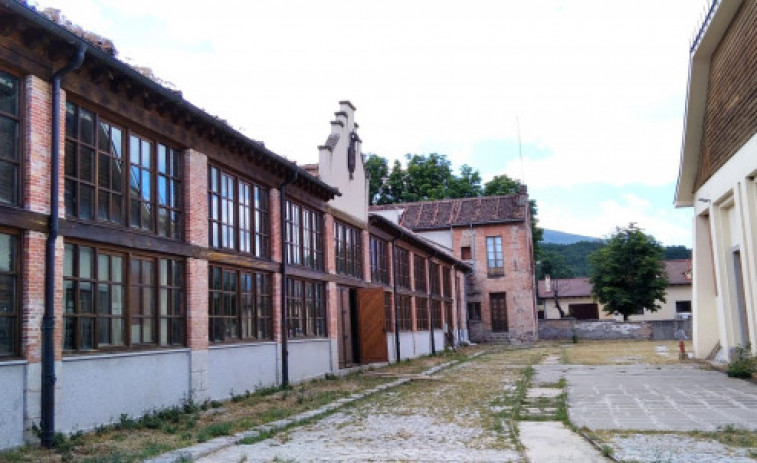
x=679, y=271
x=428, y=215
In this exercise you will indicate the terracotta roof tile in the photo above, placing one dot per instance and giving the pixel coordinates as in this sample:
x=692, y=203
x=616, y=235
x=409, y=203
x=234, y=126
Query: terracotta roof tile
x=455, y=212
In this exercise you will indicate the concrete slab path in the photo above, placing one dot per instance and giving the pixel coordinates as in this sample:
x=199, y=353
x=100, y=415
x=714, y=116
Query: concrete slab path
x=551, y=441
x=659, y=398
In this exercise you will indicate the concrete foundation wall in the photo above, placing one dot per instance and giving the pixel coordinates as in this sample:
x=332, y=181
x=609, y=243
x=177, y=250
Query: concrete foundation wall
x=235, y=369
x=566, y=328
x=108, y=386
x=309, y=358
x=12, y=404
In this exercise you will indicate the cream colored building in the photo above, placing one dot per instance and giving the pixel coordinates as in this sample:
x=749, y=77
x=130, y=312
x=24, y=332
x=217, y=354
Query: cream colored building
x=717, y=178
x=574, y=295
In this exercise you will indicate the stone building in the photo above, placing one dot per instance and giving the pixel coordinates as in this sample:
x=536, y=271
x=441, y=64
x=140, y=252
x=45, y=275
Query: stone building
x=151, y=254
x=717, y=178
x=493, y=235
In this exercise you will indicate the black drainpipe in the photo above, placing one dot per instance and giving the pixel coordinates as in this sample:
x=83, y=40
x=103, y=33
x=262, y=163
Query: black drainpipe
x=282, y=224
x=431, y=302
x=48, y=320
x=394, y=281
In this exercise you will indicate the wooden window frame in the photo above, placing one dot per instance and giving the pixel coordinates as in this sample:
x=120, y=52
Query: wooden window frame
x=495, y=263
x=303, y=236
x=404, y=312
x=167, y=296
x=14, y=274
x=252, y=318
x=421, y=314
x=15, y=163
x=238, y=214
x=419, y=271
x=103, y=186
x=348, y=250
x=307, y=316
x=434, y=278
x=402, y=260
x=379, y=260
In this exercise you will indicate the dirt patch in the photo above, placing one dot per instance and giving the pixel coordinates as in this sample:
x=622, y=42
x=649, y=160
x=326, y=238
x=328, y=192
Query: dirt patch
x=622, y=352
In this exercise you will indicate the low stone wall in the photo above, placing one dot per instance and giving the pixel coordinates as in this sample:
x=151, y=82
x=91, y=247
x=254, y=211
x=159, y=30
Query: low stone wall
x=657, y=330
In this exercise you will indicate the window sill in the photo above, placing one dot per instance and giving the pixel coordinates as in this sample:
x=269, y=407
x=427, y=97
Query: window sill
x=243, y=343
x=12, y=361
x=72, y=357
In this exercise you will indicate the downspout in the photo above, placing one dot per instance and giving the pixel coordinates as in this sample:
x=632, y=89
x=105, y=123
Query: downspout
x=48, y=320
x=394, y=282
x=431, y=302
x=456, y=292
x=282, y=230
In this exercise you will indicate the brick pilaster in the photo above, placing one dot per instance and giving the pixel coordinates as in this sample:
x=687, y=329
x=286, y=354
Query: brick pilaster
x=196, y=198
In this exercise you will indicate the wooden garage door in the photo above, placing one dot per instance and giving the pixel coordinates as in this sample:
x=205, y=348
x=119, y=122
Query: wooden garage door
x=372, y=321
x=584, y=311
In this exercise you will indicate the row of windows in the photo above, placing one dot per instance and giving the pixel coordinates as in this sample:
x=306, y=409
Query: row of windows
x=115, y=299
x=116, y=176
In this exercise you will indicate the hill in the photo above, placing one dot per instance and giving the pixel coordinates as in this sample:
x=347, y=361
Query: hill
x=558, y=237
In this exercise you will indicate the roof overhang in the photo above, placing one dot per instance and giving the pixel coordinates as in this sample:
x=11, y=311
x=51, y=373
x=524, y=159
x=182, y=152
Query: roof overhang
x=696, y=98
x=280, y=164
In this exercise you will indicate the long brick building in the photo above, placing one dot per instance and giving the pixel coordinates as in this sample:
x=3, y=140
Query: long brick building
x=150, y=254
x=493, y=235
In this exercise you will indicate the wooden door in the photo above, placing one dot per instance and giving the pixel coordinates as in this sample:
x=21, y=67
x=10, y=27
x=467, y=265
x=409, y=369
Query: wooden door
x=372, y=323
x=345, y=328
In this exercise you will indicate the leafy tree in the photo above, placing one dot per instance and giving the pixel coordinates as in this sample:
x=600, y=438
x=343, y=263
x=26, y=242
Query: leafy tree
x=628, y=273
x=467, y=185
x=553, y=263
x=377, y=169
x=501, y=185
x=677, y=252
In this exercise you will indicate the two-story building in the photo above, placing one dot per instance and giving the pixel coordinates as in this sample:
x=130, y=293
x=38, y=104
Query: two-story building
x=151, y=254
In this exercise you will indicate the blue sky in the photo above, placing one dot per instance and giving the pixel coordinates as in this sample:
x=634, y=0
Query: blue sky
x=594, y=89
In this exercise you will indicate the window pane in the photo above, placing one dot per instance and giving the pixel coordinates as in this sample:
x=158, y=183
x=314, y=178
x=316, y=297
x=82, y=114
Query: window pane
x=86, y=202
x=115, y=138
x=7, y=295
x=103, y=134
x=7, y=336
x=8, y=94
x=87, y=127
x=162, y=160
x=117, y=269
x=7, y=253
x=117, y=298
x=72, y=121
x=87, y=333
x=8, y=138
x=86, y=297
x=86, y=262
x=8, y=182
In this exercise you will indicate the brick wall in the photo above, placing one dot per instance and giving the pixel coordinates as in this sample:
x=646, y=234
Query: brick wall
x=731, y=111
x=196, y=198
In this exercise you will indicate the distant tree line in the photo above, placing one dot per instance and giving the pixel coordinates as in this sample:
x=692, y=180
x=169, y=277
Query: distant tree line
x=572, y=260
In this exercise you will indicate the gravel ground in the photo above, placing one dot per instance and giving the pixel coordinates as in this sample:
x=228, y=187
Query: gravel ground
x=674, y=448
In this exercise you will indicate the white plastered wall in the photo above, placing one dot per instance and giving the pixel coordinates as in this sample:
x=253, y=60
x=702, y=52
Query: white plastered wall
x=726, y=208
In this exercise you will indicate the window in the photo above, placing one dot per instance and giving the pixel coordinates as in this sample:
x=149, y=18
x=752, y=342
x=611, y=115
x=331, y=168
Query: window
x=348, y=250
x=433, y=269
x=465, y=253
x=421, y=314
x=474, y=311
x=99, y=312
x=402, y=262
x=97, y=154
x=306, y=309
x=419, y=269
x=379, y=264
x=9, y=297
x=436, y=313
x=498, y=304
x=494, y=260
x=240, y=305
x=237, y=214
x=447, y=282
x=10, y=160
x=304, y=236
x=388, y=311
x=404, y=313
x=683, y=306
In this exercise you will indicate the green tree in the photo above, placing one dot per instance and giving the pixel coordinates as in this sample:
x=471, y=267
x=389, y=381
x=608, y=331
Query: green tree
x=377, y=169
x=467, y=185
x=628, y=273
x=553, y=263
